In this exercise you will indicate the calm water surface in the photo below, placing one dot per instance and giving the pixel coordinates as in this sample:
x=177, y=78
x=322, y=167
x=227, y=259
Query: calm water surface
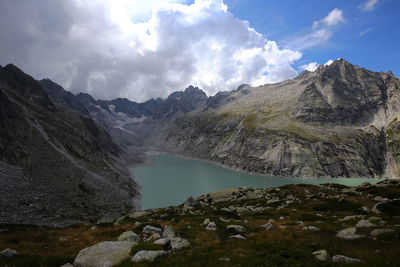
x=170, y=180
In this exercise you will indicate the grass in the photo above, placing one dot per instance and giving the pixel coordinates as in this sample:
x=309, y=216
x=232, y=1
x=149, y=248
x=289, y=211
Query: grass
x=285, y=244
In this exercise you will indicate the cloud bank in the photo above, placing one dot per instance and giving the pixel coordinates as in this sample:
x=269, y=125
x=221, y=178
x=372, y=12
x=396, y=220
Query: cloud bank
x=123, y=48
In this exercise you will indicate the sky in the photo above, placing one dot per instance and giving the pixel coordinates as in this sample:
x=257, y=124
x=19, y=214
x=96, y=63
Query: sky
x=142, y=49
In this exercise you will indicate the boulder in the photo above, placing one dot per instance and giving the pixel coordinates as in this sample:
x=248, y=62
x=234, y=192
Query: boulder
x=178, y=243
x=236, y=228
x=310, y=228
x=129, y=236
x=344, y=259
x=168, y=232
x=148, y=255
x=364, y=223
x=348, y=233
x=211, y=226
x=104, y=254
x=378, y=232
x=321, y=255
x=162, y=241
x=266, y=226
x=191, y=203
x=148, y=229
x=8, y=253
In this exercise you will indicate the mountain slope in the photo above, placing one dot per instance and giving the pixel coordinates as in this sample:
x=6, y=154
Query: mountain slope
x=58, y=166
x=339, y=121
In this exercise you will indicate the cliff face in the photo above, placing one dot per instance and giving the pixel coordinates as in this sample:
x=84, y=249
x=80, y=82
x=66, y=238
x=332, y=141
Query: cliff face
x=57, y=166
x=339, y=121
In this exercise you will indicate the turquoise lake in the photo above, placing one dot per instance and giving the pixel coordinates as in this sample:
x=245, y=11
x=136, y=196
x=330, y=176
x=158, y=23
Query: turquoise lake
x=170, y=180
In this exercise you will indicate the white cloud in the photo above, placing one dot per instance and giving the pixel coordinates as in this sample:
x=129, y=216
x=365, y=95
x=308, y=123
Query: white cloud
x=334, y=17
x=312, y=66
x=369, y=5
x=321, y=31
x=125, y=49
x=364, y=32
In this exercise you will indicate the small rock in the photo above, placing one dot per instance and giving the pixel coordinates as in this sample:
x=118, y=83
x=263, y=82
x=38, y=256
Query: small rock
x=129, y=236
x=321, y=255
x=67, y=265
x=224, y=259
x=310, y=228
x=378, y=232
x=364, y=223
x=267, y=226
x=63, y=239
x=206, y=221
x=191, y=203
x=237, y=228
x=152, y=237
x=348, y=218
x=105, y=254
x=211, y=226
x=365, y=184
x=152, y=229
x=168, y=232
x=301, y=223
x=148, y=255
x=344, y=259
x=163, y=241
x=178, y=243
x=348, y=233
x=238, y=236
x=8, y=253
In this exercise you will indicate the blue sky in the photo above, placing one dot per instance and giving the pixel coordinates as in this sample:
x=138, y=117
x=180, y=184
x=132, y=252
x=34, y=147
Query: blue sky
x=370, y=39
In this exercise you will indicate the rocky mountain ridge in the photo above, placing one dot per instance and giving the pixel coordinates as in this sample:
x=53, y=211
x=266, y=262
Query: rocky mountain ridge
x=57, y=166
x=338, y=121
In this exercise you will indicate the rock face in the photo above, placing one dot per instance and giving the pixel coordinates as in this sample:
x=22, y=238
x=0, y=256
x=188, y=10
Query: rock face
x=104, y=254
x=59, y=166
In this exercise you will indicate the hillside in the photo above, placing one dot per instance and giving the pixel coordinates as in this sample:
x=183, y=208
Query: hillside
x=294, y=225
x=57, y=166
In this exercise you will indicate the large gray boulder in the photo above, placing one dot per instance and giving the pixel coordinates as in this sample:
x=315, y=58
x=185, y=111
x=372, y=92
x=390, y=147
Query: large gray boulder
x=104, y=254
x=148, y=255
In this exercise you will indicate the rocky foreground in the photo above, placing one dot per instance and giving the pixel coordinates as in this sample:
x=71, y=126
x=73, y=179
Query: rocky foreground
x=294, y=225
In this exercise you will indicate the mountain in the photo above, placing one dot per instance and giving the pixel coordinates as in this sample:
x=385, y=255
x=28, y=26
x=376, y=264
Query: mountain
x=339, y=121
x=57, y=165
